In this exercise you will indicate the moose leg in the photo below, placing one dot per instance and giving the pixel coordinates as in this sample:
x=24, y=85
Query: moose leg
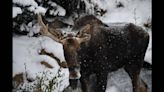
x=143, y=86
x=101, y=82
x=85, y=84
x=134, y=70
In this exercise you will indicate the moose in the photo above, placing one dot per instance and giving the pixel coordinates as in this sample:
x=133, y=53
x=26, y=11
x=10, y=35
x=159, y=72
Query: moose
x=99, y=49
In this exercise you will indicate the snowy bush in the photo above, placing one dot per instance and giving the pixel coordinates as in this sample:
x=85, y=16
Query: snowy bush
x=44, y=83
x=24, y=12
x=28, y=62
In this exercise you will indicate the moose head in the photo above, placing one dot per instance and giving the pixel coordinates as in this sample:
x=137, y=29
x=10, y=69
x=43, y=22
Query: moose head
x=70, y=43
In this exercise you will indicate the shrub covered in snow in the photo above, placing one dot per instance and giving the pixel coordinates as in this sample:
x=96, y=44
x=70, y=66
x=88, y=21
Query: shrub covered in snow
x=30, y=71
x=24, y=12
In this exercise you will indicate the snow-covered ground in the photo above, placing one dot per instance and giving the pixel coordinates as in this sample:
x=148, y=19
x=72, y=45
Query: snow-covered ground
x=148, y=55
x=135, y=11
x=26, y=58
x=119, y=81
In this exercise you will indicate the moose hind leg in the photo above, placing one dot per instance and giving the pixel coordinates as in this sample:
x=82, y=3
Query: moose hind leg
x=143, y=86
x=138, y=84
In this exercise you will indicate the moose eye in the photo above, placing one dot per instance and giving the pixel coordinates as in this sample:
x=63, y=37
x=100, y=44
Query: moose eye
x=79, y=48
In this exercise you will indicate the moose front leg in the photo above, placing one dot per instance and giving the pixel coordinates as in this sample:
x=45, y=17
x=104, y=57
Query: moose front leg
x=85, y=84
x=138, y=84
x=101, y=82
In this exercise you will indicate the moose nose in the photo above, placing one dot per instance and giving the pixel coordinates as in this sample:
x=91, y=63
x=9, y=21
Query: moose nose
x=74, y=75
x=73, y=68
x=74, y=72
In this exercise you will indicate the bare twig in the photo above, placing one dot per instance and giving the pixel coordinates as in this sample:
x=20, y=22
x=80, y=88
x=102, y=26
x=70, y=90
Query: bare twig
x=135, y=17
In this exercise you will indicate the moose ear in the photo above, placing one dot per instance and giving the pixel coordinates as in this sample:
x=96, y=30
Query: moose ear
x=85, y=38
x=85, y=29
